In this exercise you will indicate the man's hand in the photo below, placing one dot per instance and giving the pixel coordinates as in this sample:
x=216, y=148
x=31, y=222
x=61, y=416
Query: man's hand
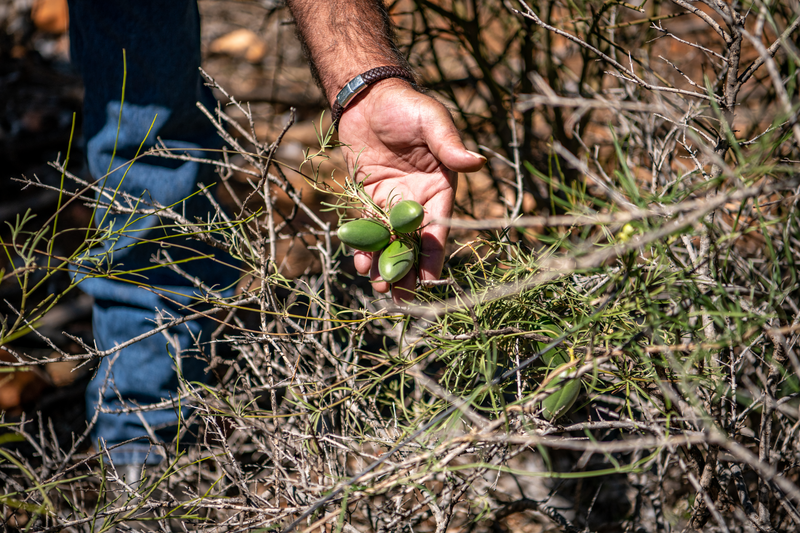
x=404, y=143
x=404, y=146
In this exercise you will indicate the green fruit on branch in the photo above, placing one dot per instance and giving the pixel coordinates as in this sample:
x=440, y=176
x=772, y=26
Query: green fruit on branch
x=364, y=234
x=406, y=216
x=567, y=390
x=560, y=401
x=395, y=261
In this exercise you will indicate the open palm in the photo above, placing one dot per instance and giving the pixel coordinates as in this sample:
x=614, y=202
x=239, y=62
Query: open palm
x=404, y=145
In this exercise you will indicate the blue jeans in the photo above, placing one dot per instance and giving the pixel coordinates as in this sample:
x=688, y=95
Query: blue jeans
x=162, y=47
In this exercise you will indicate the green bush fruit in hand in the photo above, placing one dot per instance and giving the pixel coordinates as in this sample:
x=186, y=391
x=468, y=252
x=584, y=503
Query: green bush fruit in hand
x=364, y=234
x=395, y=261
x=406, y=216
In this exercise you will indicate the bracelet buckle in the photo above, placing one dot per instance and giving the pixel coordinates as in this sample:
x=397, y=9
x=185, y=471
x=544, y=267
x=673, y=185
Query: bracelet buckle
x=353, y=87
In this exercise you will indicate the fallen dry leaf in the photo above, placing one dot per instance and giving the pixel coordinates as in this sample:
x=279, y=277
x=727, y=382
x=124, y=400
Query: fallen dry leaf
x=50, y=16
x=240, y=43
x=19, y=387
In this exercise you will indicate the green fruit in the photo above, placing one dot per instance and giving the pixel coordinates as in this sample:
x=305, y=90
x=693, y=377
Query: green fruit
x=364, y=234
x=560, y=401
x=555, y=356
x=395, y=261
x=406, y=216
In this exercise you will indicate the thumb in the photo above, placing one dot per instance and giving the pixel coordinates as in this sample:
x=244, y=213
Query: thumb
x=445, y=144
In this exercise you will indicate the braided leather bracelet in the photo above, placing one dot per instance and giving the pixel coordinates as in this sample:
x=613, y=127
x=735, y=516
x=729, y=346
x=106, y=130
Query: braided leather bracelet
x=359, y=83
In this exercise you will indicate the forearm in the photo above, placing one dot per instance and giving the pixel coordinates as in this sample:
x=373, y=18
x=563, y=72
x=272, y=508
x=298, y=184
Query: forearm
x=344, y=38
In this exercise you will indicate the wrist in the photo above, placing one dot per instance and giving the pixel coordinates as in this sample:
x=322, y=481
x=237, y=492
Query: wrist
x=333, y=84
x=357, y=86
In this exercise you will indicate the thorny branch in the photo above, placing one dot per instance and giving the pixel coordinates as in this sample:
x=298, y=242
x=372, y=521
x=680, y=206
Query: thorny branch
x=660, y=265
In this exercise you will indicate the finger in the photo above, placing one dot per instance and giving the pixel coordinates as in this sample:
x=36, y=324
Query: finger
x=362, y=262
x=403, y=290
x=431, y=252
x=433, y=237
x=375, y=276
x=445, y=144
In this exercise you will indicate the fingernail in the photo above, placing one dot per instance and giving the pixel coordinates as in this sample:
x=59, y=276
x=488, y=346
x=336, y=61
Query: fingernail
x=477, y=155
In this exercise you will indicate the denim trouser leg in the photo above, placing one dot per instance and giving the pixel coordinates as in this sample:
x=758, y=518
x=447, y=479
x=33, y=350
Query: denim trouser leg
x=143, y=373
x=162, y=50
